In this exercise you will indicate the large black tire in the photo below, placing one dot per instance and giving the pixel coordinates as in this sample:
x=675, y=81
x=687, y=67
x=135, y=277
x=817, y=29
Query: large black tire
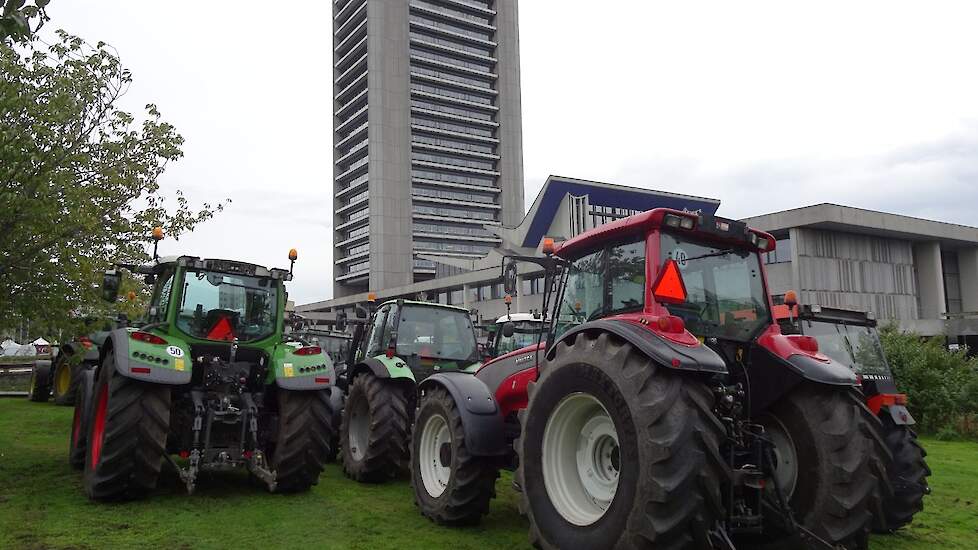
x=464, y=499
x=64, y=380
x=907, y=474
x=304, y=433
x=668, y=493
x=126, y=435
x=840, y=460
x=78, y=440
x=336, y=423
x=379, y=410
x=39, y=389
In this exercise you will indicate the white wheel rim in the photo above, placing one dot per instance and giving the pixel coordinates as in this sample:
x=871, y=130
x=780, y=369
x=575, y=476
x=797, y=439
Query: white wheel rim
x=785, y=455
x=359, y=430
x=581, y=459
x=435, y=455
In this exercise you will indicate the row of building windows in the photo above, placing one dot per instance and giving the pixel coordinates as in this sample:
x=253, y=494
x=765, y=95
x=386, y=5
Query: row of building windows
x=419, y=33
x=601, y=215
x=454, y=212
x=484, y=19
x=469, y=80
x=451, y=27
x=359, y=214
x=357, y=268
x=358, y=232
x=437, y=246
x=453, y=143
x=451, y=109
x=452, y=195
x=448, y=92
x=485, y=66
x=481, y=181
x=480, y=131
x=360, y=163
x=358, y=197
x=455, y=161
x=358, y=249
x=356, y=181
x=780, y=254
x=470, y=231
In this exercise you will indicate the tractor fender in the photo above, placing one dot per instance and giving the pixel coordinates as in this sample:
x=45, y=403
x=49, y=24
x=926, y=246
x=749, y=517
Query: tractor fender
x=829, y=372
x=484, y=435
x=118, y=343
x=698, y=358
x=382, y=367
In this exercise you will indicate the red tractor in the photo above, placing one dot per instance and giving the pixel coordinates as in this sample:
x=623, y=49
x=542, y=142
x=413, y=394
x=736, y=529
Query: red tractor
x=665, y=409
x=850, y=337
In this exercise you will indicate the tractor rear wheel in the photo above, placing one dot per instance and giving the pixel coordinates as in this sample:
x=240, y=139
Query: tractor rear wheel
x=617, y=451
x=376, y=428
x=127, y=432
x=908, y=475
x=65, y=381
x=78, y=442
x=826, y=461
x=39, y=389
x=304, y=434
x=451, y=486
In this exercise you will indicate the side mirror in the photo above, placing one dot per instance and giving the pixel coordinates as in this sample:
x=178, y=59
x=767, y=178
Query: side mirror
x=509, y=278
x=341, y=321
x=360, y=312
x=110, y=285
x=509, y=329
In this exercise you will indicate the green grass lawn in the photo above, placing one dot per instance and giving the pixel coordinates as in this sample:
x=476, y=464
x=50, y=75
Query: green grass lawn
x=42, y=505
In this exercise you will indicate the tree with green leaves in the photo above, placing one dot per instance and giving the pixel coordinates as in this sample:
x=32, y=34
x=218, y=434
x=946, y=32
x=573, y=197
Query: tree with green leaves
x=78, y=179
x=19, y=21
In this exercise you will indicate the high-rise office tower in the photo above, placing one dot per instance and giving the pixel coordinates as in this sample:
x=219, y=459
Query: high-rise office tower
x=427, y=135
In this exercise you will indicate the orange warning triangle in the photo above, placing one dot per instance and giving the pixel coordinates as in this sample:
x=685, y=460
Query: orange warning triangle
x=221, y=330
x=669, y=286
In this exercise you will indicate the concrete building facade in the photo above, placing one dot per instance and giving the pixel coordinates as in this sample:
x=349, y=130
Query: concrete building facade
x=922, y=274
x=427, y=136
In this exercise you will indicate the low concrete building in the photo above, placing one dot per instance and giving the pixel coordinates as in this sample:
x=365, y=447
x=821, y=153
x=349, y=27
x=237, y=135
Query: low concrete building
x=920, y=273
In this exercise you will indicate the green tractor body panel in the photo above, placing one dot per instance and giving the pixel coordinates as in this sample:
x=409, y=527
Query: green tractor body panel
x=165, y=349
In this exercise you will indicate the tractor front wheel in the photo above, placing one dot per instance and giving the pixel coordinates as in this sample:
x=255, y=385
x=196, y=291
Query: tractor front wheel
x=304, y=434
x=78, y=441
x=375, y=430
x=39, y=389
x=451, y=486
x=617, y=451
x=908, y=475
x=825, y=461
x=65, y=383
x=127, y=431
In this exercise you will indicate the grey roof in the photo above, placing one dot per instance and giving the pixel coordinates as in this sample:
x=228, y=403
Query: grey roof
x=848, y=219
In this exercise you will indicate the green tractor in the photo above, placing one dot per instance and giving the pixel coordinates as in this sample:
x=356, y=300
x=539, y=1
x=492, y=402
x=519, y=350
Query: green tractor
x=403, y=343
x=206, y=376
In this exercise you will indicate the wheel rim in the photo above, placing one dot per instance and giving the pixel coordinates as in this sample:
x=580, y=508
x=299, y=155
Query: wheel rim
x=435, y=455
x=359, y=429
x=581, y=459
x=98, y=428
x=785, y=455
x=63, y=379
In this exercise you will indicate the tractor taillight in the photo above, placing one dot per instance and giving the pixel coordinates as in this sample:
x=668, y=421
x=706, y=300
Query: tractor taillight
x=148, y=338
x=309, y=350
x=671, y=324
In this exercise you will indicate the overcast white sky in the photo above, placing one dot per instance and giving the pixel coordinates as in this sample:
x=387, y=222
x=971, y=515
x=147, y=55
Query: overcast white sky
x=764, y=105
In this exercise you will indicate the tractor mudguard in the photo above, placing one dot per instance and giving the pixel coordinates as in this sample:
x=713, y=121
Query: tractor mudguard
x=901, y=416
x=481, y=420
x=157, y=363
x=383, y=367
x=831, y=372
x=699, y=358
x=301, y=372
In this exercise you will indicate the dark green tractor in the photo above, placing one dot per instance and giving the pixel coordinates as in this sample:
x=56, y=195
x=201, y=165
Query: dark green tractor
x=208, y=377
x=403, y=343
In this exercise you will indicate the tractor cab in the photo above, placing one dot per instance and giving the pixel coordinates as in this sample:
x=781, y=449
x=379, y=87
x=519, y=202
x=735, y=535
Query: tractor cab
x=513, y=332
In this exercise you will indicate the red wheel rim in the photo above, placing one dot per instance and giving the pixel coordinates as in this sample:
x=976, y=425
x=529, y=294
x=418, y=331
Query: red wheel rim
x=98, y=428
x=75, y=422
